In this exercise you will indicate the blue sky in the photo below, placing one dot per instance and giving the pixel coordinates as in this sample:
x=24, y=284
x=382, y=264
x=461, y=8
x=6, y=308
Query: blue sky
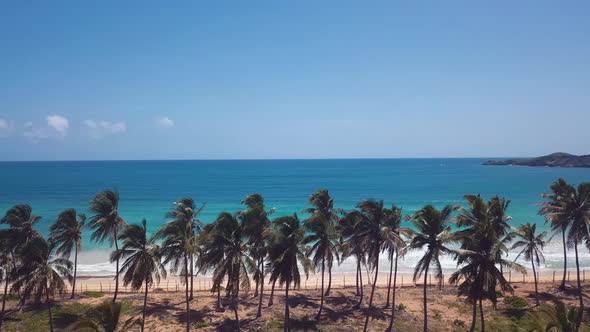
x=300, y=79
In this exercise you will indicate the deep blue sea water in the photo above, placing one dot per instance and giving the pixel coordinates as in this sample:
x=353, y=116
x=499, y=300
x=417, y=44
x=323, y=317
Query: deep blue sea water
x=149, y=188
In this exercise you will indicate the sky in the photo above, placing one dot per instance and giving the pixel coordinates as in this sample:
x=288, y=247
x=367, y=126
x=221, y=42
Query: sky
x=127, y=80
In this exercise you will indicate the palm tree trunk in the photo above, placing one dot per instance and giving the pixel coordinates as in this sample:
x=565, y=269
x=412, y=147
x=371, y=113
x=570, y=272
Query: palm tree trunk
x=235, y=298
x=4, y=301
x=317, y=317
x=483, y=323
x=474, y=317
x=535, y=278
x=562, y=286
x=287, y=320
x=144, y=306
x=358, y=270
x=49, y=309
x=75, y=268
x=191, y=257
x=329, y=279
x=257, y=281
x=579, y=287
x=116, y=267
x=259, y=312
x=218, y=297
x=425, y=302
x=393, y=298
x=358, y=305
x=372, y=293
x=186, y=295
x=389, y=279
x=272, y=293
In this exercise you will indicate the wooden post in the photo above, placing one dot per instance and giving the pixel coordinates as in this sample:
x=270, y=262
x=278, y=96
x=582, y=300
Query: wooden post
x=344, y=278
x=509, y=276
x=523, y=278
x=177, y=286
x=167, y=283
x=109, y=287
x=553, y=276
x=316, y=283
x=568, y=276
x=430, y=280
x=402, y=280
x=584, y=277
x=101, y=286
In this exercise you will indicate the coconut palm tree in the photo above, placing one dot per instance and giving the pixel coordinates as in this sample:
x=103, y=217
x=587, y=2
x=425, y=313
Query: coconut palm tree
x=186, y=213
x=352, y=246
x=233, y=262
x=102, y=318
x=497, y=211
x=432, y=233
x=66, y=234
x=40, y=274
x=255, y=223
x=322, y=240
x=178, y=245
x=106, y=223
x=532, y=248
x=286, y=250
x=6, y=268
x=21, y=222
x=323, y=208
x=142, y=263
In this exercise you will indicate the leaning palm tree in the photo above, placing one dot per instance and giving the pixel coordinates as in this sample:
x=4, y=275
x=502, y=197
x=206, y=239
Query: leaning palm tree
x=142, y=263
x=106, y=223
x=178, y=244
x=556, y=216
x=532, y=248
x=323, y=208
x=322, y=237
x=255, y=223
x=234, y=262
x=432, y=233
x=21, y=222
x=102, y=318
x=39, y=274
x=286, y=250
x=65, y=234
x=6, y=267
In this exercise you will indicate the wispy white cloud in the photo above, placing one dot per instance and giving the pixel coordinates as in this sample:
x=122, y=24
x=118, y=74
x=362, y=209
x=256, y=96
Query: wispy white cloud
x=164, y=122
x=59, y=124
x=100, y=129
x=5, y=127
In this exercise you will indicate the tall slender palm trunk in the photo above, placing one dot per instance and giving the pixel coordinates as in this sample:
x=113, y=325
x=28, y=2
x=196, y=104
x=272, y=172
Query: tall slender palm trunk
x=4, y=301
x=192, y=274
x=358, y=270
x=219, y=297
x=116, y=267
x=235, y=299
x=535, y=278
x=75, y=268
x=145, y=295
x=329, y=279
x=579, y=320
x=272, y=293
x=390, y=277
x=371, y=297
x=425, y=302
x=259, y=312
x=393, y=298
x=562, y=286
x=474, y=317
x=287, y=320
x=360, y=284
x=317, y=317
x=483, y=322
x=186, y=295
x=49, y=309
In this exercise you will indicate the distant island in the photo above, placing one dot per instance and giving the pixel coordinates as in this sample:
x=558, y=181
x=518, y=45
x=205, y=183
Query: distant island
x=558, y=159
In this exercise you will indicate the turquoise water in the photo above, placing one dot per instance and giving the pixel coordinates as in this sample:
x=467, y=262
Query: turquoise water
x=148, y=188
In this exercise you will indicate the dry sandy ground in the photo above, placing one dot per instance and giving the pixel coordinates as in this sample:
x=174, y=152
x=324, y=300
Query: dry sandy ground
x=166, y=310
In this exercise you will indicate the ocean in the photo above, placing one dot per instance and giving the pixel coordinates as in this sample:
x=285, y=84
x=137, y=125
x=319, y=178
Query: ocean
x=149, y=188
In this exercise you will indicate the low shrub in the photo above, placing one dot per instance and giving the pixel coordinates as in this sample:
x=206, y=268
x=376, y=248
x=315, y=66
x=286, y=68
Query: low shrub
x=516, y=302
x=93, y=294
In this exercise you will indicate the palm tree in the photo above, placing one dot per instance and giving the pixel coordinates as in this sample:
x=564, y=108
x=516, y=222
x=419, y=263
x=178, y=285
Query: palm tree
x=255, y=224
x=352, y=246
x=21, y=222
x=186, y=213
x=178, y=244
x=39, y=274
x=497, y=210
x=6, y=268
x=532, y=248
x=286, y=250
x=229, y=249
x=142, y=263
x=106, y=223
x=482, y=249
x=554, y=318
x=65, y=234
x=102, y=318
x=569, y=207
x=322, y=236
x=433, y=233
x=323, y=208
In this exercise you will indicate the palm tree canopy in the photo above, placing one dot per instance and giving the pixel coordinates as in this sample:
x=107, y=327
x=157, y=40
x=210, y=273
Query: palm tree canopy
x=21, y=222
x=531, y=243
x=142, y=257
x=105, y=219
x=66, y=232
